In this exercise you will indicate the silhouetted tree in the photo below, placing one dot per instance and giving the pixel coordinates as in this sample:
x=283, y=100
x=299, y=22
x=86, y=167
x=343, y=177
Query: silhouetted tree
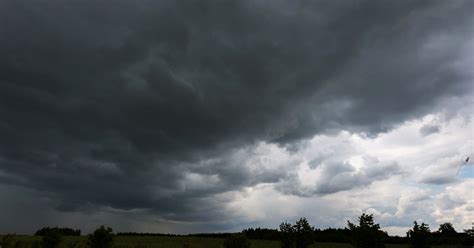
x=367, y=234
x=64, y=231
x=238, y=240
x=447, y=229
x=102, y=237
x=419, y=236
x=468, y=237
x=299, y=235
x=304, y=233
x=287, y=235
x=51, y=239
x=447, y=235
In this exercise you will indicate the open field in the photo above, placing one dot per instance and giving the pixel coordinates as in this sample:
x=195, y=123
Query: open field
x=23, y=241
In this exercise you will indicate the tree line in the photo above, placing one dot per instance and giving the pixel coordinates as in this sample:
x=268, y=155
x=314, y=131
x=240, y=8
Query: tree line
x=445, y=235
x=365, y=233
x=65, y=231
x=51, y=237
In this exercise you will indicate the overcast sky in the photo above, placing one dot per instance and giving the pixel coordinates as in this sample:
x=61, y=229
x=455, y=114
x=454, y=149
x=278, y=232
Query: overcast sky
x=201, y=116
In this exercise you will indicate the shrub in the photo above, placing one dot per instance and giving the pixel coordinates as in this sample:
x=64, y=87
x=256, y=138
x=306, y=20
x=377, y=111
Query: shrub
x=72, y=244
x=35, y=244
x=51, y=239
x=237, y=241
x=7, y=241
x=102, y=237
x=21, y=244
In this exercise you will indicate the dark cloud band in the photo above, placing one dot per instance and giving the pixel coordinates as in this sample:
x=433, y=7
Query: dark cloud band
x=112, y=104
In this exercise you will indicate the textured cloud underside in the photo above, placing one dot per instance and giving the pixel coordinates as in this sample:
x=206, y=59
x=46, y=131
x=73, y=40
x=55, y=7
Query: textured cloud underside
x=169, y=108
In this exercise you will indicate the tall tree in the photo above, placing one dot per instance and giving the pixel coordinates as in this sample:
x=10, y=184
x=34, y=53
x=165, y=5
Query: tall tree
x=299, y=235
x=304, y=233
x=447, y=229
x=419, y=235
x=287, y=235
x=367, y=234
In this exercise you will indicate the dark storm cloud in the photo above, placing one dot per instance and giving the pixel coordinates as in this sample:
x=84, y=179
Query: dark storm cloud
x=115, y=104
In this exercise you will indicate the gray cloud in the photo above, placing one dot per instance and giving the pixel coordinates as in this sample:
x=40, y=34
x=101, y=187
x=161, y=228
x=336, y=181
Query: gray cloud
x=438, y=179
x=118, y=105
x=340, y=176
x=430, y=128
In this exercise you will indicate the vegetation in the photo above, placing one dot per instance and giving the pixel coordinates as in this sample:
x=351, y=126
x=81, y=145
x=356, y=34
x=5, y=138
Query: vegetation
x=367, y=234
x=261, y=233
x=102, y=237
x=304, y=233
x=237, y=241
x=7, y=241
x=299, y=235
x=64, y=231
x=179, y=242
x=286, y=235
x=51, y=239
x=419, y=236
x=447, y=229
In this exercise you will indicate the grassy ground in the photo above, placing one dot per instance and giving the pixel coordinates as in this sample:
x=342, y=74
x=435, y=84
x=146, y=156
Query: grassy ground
x=170, y=242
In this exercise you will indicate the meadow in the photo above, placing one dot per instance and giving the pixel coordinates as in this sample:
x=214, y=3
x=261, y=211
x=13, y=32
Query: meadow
x=24, y=241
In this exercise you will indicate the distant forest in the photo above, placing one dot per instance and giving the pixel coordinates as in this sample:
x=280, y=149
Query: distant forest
x=301, y=230
x=336, y=235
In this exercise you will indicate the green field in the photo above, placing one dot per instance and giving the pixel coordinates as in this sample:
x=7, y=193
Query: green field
x=21, y=241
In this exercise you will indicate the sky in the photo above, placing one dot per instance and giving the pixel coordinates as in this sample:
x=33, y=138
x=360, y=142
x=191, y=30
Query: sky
x=214, y=116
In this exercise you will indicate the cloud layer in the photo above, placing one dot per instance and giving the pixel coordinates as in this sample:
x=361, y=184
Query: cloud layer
x=173, y=108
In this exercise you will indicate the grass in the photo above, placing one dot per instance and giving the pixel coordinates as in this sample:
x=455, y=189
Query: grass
x=24, y=241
